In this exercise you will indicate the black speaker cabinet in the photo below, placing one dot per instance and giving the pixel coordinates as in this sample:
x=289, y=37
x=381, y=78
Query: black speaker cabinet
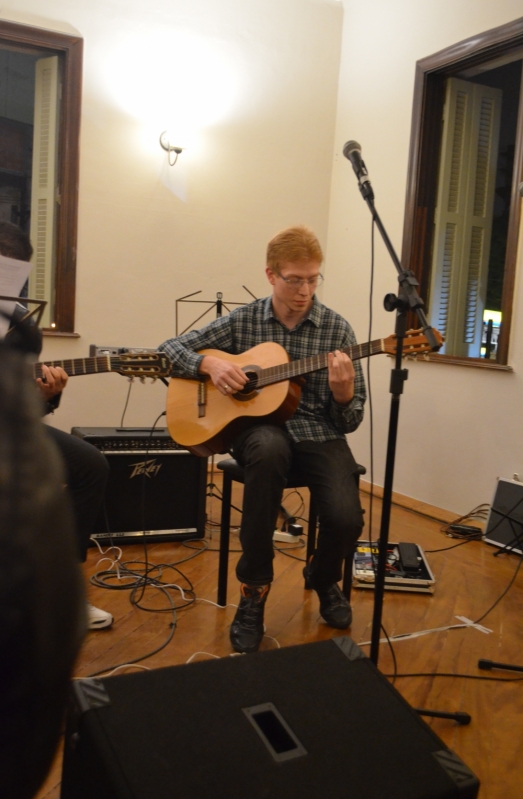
x=505, y=521
x=155, y=486
x=316, y=721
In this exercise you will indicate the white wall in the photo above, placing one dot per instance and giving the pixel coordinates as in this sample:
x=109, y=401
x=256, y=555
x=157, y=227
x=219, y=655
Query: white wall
x=149, y=234
x=259, y=160
x=460, y=427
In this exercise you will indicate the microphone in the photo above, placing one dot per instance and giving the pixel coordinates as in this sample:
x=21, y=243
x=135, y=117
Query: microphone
x=352, y=151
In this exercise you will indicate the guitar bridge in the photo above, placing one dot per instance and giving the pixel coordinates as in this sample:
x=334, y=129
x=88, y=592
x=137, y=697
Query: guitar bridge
x=202, y=397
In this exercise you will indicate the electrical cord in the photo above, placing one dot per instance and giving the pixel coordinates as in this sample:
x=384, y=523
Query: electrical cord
x=111, y=672
x=291, y=518
x=394, y=661
x=126, y=400
x=140, y=579
x=498, y=600
x=458, y=527
x=163, y=588
x=480, y=512
x=212, y=549
x=294, y=545
x=369, y=387
x=467, y=540
x=453, y=546
x=144, y=483
x=167, y=641
x=206, y=547
x=477, y=621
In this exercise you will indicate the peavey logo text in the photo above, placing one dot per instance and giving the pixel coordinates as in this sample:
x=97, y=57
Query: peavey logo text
x=149, y=468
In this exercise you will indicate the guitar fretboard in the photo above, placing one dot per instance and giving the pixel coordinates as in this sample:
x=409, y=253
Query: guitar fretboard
x=134, y=364
x=286, y=371
x=82, y=366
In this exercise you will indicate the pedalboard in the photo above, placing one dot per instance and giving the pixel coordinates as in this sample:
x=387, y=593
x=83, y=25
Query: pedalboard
x=407, y=568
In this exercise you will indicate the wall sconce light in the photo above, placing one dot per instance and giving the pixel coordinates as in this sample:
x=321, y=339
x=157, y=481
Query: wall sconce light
x=166, y=144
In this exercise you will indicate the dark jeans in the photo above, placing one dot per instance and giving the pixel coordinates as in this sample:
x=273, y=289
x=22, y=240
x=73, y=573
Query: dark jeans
x=328, y=468
x=87, y=472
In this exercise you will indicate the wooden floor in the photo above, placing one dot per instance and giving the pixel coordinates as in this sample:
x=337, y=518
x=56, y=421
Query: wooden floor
x=468, y=581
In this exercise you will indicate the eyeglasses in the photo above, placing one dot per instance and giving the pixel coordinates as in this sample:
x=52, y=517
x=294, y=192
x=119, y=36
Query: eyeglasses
x=297, y=282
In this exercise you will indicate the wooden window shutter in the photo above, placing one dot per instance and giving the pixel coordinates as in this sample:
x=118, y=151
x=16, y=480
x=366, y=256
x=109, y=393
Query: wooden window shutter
x=44, y=183
x=463, y=219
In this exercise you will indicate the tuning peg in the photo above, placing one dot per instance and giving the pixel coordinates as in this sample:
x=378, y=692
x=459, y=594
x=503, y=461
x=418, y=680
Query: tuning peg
x=142, y=379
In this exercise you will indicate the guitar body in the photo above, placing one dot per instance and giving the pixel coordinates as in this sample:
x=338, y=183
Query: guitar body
x=206, y=421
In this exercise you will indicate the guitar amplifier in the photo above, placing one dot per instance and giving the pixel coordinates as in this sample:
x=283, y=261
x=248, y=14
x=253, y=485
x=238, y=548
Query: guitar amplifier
x=156, y=488
x=505, y=521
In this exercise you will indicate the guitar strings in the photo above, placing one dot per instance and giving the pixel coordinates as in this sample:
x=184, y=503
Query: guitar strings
x=311, y=364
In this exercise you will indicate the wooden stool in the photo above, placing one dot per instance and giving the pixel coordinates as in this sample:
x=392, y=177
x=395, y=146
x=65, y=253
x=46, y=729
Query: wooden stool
x=233, y=471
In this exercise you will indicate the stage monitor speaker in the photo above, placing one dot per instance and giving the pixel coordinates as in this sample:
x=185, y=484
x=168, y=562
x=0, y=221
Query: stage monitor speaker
x=303, y=722
x=155, y=486
x=505, y=522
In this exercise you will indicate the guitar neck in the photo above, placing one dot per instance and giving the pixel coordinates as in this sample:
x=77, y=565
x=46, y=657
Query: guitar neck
x=81, y=366
x=286, y=371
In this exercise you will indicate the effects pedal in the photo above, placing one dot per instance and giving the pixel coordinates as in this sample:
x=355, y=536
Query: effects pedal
x=409, y=557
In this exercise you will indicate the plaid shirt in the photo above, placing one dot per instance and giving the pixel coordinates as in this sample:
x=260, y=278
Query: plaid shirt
x=318, y=416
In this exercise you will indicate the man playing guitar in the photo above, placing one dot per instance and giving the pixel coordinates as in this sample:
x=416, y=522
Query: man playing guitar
x=313, y=441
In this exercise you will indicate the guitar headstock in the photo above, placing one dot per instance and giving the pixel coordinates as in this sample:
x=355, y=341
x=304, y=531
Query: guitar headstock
x=142, y=364
x=414, y=343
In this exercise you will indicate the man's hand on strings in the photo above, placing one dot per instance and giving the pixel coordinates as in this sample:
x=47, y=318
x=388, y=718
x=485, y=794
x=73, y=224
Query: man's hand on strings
x=52, y=382
x=227, y=377
x=341, y=377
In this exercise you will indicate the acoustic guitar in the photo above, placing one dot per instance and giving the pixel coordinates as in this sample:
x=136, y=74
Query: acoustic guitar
x=205, y=421
x=129, y=364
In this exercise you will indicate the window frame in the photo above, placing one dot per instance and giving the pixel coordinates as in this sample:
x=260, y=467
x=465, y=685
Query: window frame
x=70, y=50
x=425, y=143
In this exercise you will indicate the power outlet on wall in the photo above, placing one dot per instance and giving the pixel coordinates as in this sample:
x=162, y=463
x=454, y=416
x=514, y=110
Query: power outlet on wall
x=95, y=351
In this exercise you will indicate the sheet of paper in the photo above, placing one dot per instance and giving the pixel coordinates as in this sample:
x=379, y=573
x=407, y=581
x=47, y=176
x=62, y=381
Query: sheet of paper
x=13, y=275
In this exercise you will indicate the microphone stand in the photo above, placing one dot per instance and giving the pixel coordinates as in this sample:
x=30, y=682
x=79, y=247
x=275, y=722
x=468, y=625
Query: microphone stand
x=406, y=300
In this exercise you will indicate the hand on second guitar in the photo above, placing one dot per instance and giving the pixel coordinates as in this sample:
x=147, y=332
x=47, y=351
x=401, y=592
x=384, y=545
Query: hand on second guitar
x=53, y=382
x=227, y=377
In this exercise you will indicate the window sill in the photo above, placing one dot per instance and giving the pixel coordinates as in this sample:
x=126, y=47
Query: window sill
x=479, y=363
x=59, y=334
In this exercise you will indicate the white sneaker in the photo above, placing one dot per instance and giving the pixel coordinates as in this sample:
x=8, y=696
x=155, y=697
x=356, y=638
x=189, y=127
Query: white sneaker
x=97, y=619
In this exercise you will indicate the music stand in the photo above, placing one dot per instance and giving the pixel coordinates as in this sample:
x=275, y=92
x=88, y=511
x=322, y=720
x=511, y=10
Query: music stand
x=219, y=303
x=22, y=301
x=36, y=313
x=505, y=531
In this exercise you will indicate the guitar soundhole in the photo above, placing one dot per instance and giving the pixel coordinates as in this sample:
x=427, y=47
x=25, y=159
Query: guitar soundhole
x=249, y=391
